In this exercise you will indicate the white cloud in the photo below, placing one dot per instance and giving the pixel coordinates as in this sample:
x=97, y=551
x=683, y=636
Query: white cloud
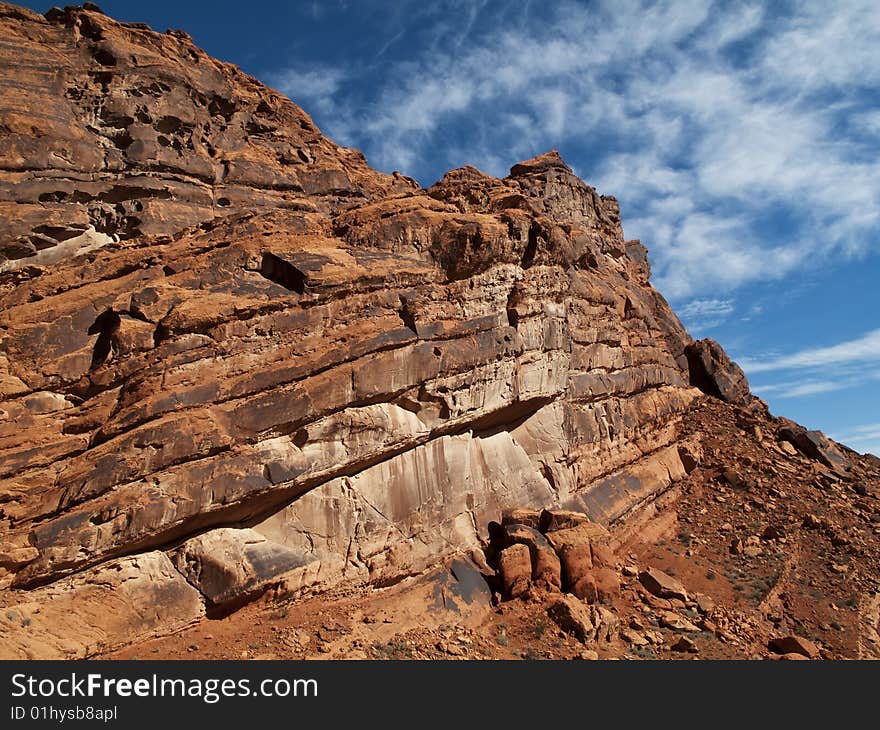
x=862, y=438
x=800, y=390
x=707, y=308
x=702, y=143
x=703, y=314
x=864, y=349
x=312, y=88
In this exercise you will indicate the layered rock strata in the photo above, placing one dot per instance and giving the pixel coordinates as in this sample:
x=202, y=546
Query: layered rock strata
x=266, y=365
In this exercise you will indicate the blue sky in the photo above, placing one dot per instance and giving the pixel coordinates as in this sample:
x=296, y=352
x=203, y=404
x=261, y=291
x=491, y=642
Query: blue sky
x=742, y=140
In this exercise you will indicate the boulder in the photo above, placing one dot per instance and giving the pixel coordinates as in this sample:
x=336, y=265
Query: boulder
x=816, y=445
x=602, y=555
x=577, y=563
x=518, y=516
x=585, y=588
x=573, y=617
x=683, y=644
x=515, y=566
x=585, y=533
x=551, y=520
x=228, y=565
x=546, y=568
x=607, y=584
x=671, y=620
x=713, y=372
x=589, y=624
x=662, y=585
x=794, y=645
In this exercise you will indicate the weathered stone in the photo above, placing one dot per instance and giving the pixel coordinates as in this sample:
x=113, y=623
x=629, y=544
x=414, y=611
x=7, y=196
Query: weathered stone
x=788, y=447
x=585, y=588
x=607, y=584
x=119, y=603
x=773, y=532
x=816, y=445
x=471, y=585
x=683, y=644
x=705, y=603
x=713, y=372
x=515, y=565
x=214, y=141
x=632, y=638
x=602, y=555
x=607, y=624
x=215, y=316
x=577, y=563
x=551, y=520
x=583, y=534
x=674, y=621
x=229, y=565
x=662, y=585
x=573, y=617
x=546, y=568
x=529, y=517
x=794, y=645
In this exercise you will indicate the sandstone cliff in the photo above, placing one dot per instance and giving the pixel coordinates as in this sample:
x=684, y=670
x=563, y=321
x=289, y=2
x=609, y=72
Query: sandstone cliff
x=233, y=357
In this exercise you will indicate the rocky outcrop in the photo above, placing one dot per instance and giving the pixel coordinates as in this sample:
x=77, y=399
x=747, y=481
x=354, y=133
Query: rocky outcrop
x=121, y=602
x=245, y=350
x=713, y=372
x=816, y=445
x=112, y=132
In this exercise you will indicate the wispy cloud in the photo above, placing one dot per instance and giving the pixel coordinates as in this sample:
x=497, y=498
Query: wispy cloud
x=703, y=314
x=864, y=349
x=316, y=85
x=707, y=119
x=801, y=389
x=861, y=438
x=707, y=308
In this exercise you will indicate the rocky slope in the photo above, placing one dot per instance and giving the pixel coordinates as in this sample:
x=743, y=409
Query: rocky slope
x=235, y=361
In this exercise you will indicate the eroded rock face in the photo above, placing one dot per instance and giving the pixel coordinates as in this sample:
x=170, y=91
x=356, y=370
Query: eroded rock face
x=116, y=130
x=345, y=383
x=108, y=607
x=713, y=372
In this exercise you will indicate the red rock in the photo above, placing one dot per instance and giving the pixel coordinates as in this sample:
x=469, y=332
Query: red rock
x=515, y=564
x=714, y=373
x=794, y=645
x=816, y=445
x=546, y=567
x=684, y=644
x=212, y=315
x=573, y=617
x=529, y=517
x=607, y=584
x=576, y=563
x=585, y=588
x=551, y=520
x=603, y=557
x=662, y=585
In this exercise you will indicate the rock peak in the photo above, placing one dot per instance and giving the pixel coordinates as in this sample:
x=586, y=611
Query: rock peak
x=551, y=160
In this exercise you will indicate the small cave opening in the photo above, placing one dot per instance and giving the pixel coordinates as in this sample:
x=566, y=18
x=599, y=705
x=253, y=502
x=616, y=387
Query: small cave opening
x=105, y=326
x=283, y=273
x=531, y=246
x=301, y=438
x=104, y=57
x=406, y=314
x=697, y=373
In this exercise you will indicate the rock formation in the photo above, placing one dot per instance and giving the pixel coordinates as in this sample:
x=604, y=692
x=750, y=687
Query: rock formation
x=234, y=358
